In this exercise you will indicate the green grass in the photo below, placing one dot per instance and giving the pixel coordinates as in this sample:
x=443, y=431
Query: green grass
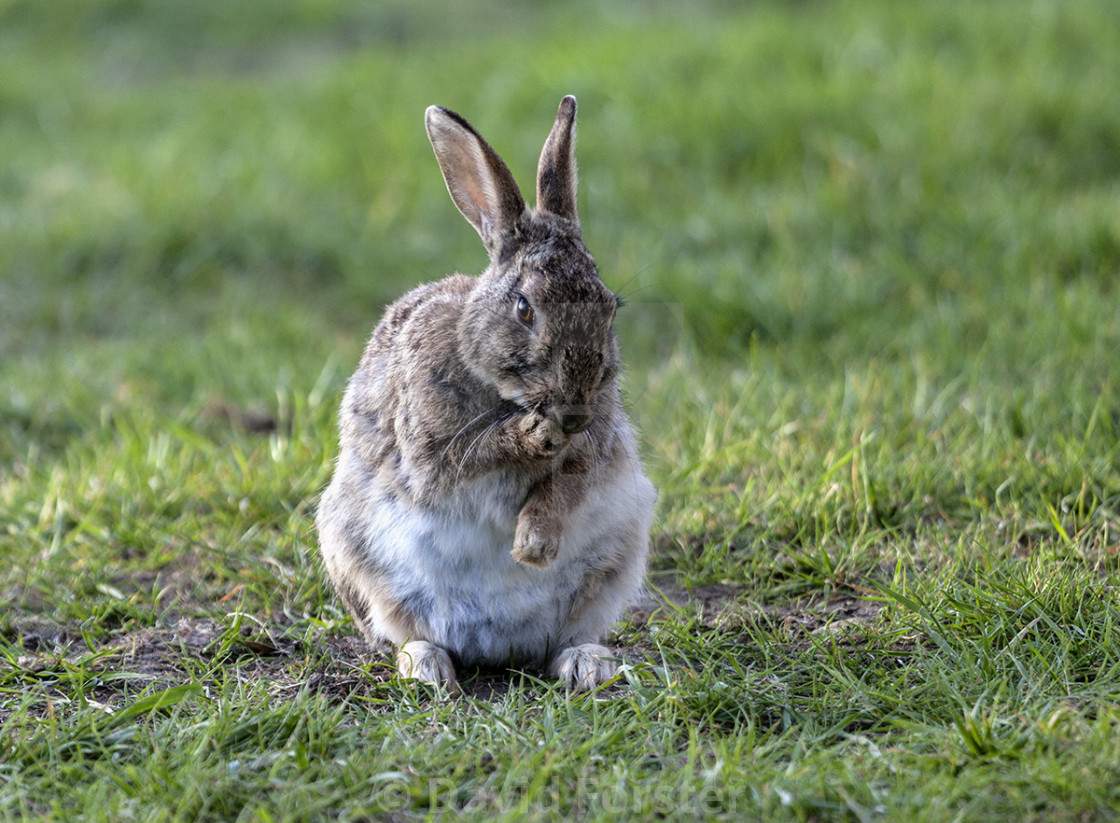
x=871, y=255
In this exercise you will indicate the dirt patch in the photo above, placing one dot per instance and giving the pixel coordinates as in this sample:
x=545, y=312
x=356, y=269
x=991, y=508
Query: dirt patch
x=198, y=650
x=341, y=667
x=722, y=605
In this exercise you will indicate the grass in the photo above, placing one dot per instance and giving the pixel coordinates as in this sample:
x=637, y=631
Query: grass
x=871, y=257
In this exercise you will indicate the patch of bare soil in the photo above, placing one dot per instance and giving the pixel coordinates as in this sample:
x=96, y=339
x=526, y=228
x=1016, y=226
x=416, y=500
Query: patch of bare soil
x=343, y=667
x=198, y=650
x=723, y=605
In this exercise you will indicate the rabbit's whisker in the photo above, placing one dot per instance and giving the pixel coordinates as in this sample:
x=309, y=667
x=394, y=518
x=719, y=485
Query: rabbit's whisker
x=471, y=447
x=466, y=426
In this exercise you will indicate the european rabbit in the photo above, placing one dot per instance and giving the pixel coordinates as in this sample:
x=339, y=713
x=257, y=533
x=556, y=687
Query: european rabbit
x=489, y=506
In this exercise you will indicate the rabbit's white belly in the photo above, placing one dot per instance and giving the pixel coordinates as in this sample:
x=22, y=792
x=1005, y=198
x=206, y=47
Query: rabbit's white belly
x=452, y=571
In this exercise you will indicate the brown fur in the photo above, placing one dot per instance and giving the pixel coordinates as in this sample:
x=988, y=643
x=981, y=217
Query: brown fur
x=508, y=378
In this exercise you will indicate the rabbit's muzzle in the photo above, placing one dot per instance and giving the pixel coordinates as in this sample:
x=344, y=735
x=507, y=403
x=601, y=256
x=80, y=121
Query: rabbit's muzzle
x=572, y=419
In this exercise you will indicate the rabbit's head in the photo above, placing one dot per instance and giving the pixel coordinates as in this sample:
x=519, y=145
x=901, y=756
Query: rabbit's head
x=538, y=325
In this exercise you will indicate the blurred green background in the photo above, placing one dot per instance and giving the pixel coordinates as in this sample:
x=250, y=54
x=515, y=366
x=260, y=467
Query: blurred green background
x=860, y=179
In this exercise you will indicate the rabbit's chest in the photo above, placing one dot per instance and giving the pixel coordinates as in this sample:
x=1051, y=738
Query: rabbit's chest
x=488, y=608
x=491, y=502
x=470, y=595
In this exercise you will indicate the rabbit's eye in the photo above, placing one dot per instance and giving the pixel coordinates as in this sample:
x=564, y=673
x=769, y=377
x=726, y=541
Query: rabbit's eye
x=524, y=311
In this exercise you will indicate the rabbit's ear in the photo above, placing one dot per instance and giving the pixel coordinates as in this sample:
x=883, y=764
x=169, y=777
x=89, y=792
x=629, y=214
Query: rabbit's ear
x=478, y=180
x=556, y=174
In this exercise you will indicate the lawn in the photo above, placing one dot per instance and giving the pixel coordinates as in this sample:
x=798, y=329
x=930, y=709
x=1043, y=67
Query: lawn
x=871, y=259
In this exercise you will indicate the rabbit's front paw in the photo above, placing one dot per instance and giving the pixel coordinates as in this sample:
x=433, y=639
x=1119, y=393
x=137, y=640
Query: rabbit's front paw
x=427, y=663
x=536, y=541
x=542, y=435
x=584, y=667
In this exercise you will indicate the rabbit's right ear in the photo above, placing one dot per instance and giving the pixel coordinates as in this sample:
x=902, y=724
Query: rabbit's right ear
x=478, y=180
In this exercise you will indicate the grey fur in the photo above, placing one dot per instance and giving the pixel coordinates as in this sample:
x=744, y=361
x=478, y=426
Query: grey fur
x=488, y=504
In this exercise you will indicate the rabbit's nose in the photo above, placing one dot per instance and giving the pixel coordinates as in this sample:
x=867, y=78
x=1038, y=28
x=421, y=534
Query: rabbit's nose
x=574, y=419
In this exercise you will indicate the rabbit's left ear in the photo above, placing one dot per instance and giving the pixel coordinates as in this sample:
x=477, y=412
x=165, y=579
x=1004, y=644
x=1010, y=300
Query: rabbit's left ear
x=556, y=173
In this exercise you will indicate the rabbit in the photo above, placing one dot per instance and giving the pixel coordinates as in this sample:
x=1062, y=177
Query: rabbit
x=488, y=506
